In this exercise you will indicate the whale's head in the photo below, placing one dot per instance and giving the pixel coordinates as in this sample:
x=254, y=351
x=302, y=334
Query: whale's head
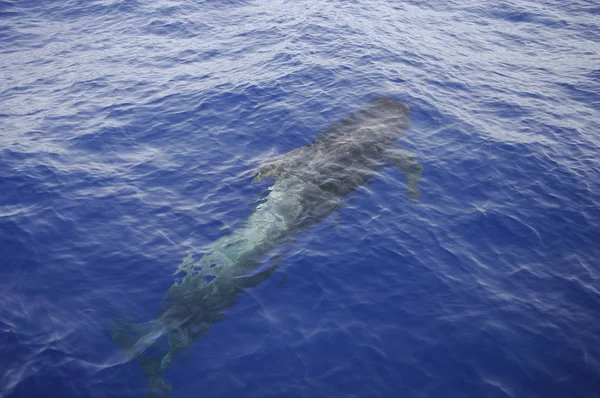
x=390, y=106
x=386, y=117
x=386, y=109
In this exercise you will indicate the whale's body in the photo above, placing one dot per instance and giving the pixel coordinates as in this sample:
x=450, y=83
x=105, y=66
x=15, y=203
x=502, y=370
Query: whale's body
x=310, y=183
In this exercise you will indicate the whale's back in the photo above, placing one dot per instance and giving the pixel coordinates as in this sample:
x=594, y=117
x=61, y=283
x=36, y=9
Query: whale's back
x=382, y=115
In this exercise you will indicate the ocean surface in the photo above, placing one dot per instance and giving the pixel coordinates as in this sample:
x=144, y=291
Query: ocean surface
x=130, y=132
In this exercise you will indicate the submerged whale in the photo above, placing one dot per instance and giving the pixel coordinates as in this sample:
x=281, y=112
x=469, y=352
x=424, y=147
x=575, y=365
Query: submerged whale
x=309, y=184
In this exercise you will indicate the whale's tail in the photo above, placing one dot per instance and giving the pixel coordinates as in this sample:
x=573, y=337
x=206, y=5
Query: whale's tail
x=144, y=342
x=184, y=319
x=154, y=347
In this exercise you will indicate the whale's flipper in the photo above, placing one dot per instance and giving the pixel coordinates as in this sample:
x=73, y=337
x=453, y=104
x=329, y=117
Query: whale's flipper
x=407, y=163
x=249, y=281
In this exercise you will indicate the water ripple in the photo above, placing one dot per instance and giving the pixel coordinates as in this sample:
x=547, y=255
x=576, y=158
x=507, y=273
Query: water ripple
x=130, y=135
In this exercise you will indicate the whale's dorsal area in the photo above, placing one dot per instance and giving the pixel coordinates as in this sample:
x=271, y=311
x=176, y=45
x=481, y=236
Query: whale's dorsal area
x=379, y=111
x=349, y=152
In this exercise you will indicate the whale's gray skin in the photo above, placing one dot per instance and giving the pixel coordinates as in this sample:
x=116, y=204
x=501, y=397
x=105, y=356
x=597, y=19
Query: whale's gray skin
x=310, y=183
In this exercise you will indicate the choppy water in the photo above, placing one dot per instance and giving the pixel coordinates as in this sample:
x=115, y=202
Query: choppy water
x=129, y=132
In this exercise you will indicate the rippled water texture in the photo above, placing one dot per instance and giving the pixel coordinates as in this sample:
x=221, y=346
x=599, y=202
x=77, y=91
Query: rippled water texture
x=129, y=135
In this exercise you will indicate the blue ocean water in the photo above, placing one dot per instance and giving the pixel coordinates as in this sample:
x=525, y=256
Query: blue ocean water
x=129, y=135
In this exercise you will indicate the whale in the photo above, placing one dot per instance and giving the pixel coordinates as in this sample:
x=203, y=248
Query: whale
x=308, y=184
